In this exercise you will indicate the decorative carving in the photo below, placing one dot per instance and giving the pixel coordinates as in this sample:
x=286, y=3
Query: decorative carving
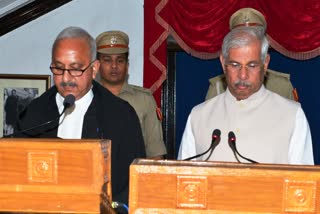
x=42, y=166
x=192, y=192
x=300, y=196
x=105, y=204
x=104, y=150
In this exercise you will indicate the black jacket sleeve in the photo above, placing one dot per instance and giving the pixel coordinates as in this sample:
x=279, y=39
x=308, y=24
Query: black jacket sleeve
x=119, y=123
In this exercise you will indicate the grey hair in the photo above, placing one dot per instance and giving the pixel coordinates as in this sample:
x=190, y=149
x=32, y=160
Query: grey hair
x=77, y=33
x=242, y=36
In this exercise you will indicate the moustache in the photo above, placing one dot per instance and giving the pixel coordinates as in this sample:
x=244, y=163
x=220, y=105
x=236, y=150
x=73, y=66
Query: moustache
x=70, y=84
x=242, y=83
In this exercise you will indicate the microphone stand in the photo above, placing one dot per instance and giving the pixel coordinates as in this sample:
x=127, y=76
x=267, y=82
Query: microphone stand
x=214, y=142
x=196, y=156
x=68, y=102
x=232, y=144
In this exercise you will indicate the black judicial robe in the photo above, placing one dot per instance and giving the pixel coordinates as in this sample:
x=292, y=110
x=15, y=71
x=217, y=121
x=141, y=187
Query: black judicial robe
x=107, y=117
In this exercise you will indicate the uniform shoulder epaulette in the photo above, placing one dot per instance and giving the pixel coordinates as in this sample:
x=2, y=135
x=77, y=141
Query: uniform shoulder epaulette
x=218, y=78
x=277, y=73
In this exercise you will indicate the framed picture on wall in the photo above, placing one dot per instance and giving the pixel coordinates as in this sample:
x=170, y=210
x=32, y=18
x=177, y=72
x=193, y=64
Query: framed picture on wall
x=16, y=92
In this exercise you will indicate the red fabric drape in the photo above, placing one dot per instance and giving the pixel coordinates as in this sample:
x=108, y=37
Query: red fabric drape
x=155, y=48
x=199, y=27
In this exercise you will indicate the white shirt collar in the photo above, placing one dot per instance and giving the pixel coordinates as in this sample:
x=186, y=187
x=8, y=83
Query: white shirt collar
x=72, y=120
x=255, y=96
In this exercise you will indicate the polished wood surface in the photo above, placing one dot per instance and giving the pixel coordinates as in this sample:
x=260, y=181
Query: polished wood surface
x=219, y=187
x=54, y=176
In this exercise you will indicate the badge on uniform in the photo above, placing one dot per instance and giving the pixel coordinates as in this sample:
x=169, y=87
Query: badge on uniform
x=295, y=94
x=159, y=113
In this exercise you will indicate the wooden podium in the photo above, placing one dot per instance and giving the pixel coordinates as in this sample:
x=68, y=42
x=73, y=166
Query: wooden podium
x=55, y=176
x=219, y=187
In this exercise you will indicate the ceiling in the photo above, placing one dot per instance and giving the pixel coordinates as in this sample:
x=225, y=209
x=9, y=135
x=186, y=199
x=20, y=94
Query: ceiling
x=8, y=6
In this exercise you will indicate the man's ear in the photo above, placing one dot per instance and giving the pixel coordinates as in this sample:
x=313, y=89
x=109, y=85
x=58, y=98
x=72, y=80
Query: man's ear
x=222, y=61
x=95, y=68
x=266, y=63
x=127, y=71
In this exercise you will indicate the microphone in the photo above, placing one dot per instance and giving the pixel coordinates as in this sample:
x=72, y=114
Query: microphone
x=214, y=142
x=67, y=103
x=232, y=144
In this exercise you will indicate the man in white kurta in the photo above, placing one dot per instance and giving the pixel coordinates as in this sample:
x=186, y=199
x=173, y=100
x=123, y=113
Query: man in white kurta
x=268, y=127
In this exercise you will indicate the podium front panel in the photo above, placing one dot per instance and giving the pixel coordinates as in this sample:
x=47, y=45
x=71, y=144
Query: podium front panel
x=220, y=187
x=54, y=176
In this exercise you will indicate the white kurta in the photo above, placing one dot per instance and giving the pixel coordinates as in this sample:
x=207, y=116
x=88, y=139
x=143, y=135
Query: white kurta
x=268, y=129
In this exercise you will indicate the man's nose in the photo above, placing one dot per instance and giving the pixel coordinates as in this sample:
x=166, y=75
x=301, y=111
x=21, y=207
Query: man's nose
x=114, y=63
x=66, y=76
x=243, y=73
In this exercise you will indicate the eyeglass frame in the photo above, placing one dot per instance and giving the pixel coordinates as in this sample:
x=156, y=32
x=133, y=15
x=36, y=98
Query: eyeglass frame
x=247, y=66
x=71, y=69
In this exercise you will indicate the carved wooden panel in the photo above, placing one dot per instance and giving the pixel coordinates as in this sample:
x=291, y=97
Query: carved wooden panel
x=42, y=166
x=192, y=191
x=300, y=196
x=190, y=187
x=54, y=175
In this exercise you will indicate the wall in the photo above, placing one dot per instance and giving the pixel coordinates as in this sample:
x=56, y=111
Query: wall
x=27, y=50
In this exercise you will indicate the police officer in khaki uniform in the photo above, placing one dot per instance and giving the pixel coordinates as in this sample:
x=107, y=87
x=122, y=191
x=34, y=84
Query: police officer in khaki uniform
x=113, y=52
x=274, y=81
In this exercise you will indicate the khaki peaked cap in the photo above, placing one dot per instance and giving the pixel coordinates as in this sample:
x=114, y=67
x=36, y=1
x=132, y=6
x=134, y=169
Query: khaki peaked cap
x=112, y=42
x=247, y=17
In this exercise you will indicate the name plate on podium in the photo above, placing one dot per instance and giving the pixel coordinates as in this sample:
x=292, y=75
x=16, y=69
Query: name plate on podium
x=219, y=187
x=54, y=176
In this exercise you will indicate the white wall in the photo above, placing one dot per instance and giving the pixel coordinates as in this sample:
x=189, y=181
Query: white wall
x=27, y=50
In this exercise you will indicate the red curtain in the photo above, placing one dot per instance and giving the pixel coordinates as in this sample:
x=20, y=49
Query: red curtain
x=200, y=25
x=155, y=48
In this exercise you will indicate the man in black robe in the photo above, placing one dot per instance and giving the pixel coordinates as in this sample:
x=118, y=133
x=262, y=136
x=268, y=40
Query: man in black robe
x=97, y=113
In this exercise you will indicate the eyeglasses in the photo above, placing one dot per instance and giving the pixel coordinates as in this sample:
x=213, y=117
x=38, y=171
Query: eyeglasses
x=75, y=72
x=236, y=67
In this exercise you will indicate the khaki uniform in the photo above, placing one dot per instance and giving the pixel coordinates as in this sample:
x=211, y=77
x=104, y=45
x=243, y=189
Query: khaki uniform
x=142, y=101
x=274, y=81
